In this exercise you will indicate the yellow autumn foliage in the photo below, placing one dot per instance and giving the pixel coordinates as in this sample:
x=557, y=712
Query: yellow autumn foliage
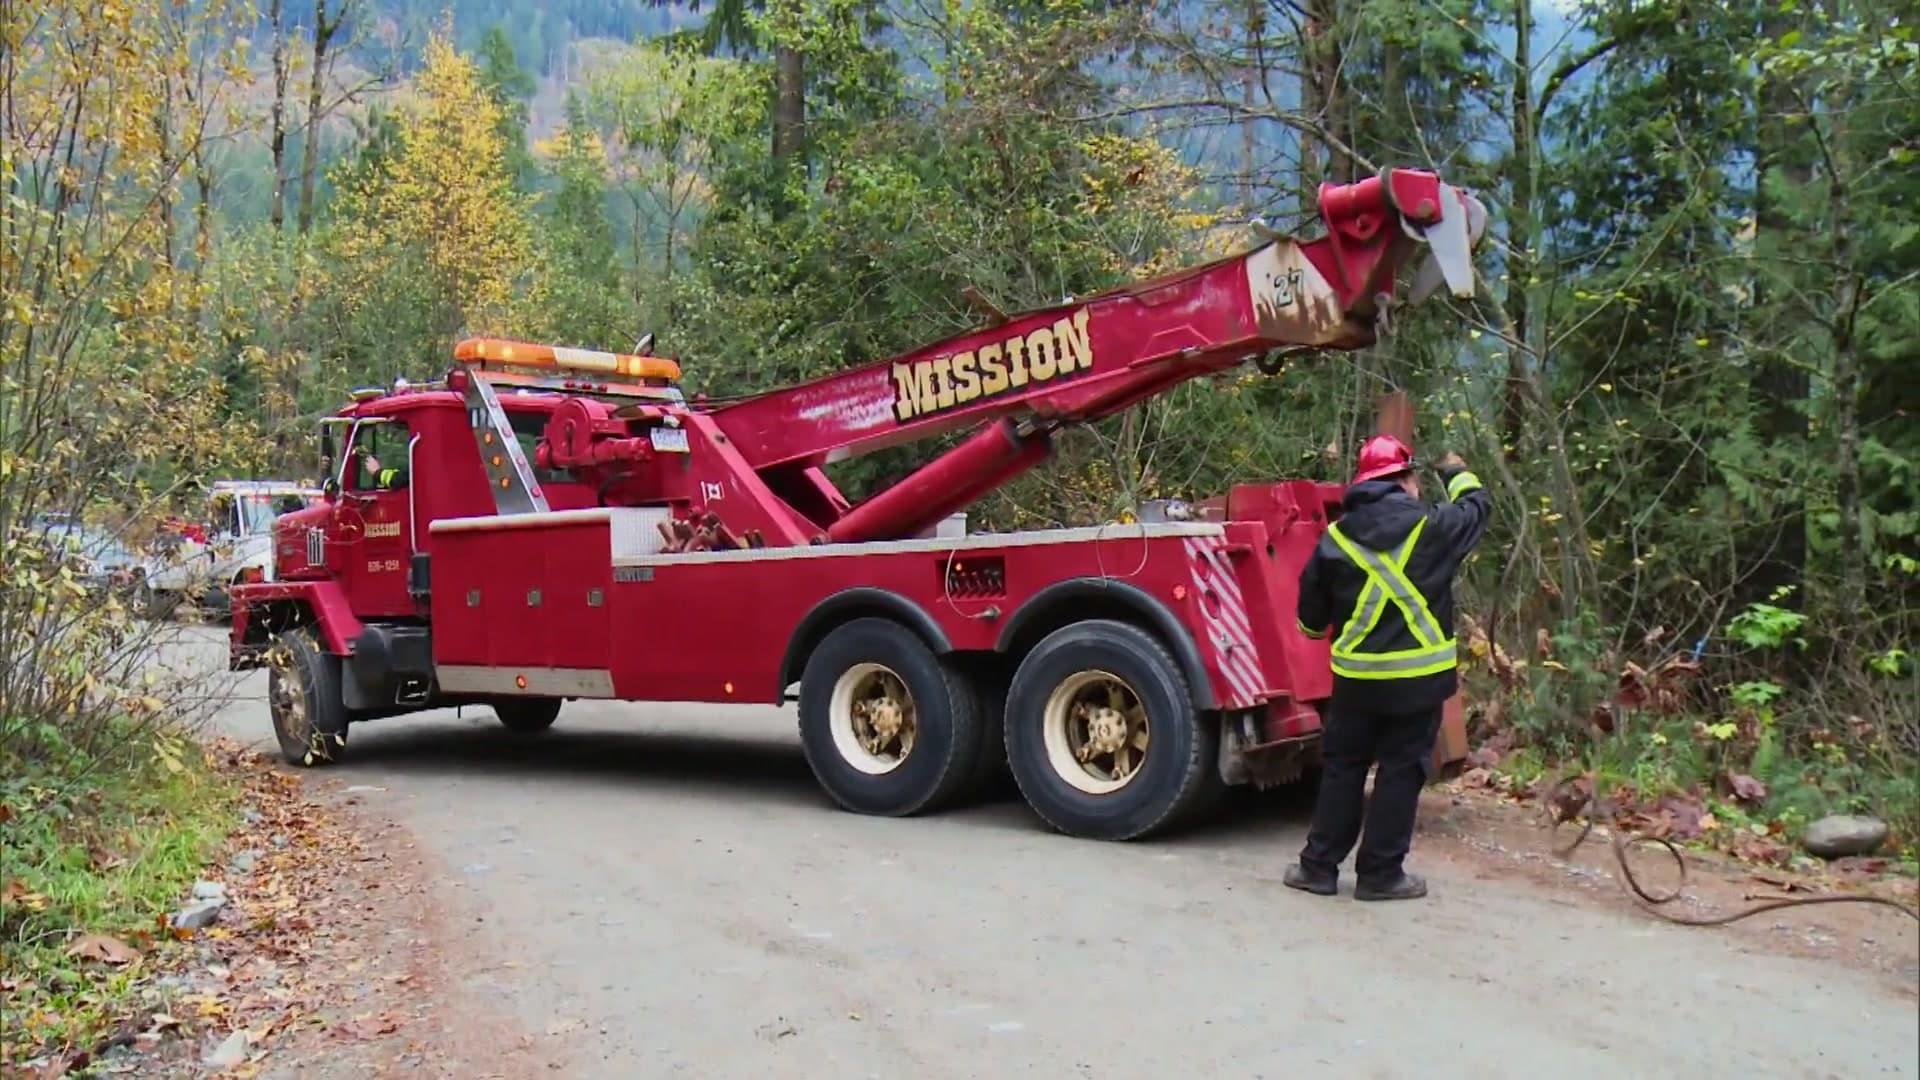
x=114, y=388
x=1143, y=181
x=444, y=203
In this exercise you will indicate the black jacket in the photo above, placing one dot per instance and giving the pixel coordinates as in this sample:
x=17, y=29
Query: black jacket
x=1377, y=515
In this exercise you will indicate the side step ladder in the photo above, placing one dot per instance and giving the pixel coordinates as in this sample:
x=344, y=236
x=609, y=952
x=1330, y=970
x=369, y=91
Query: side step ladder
x=509, y=476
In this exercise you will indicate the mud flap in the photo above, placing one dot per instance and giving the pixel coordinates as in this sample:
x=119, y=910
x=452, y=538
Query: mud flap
x=1450, y=746
x=1394, y=416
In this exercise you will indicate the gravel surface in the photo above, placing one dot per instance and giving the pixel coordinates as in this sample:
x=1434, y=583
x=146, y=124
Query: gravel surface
x=662, y=891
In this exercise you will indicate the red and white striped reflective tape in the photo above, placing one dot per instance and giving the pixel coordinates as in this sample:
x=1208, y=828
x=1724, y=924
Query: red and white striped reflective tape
x=1229, y=630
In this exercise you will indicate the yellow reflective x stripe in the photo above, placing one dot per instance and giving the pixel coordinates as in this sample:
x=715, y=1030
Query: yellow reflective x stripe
x=1461, y=484
x=1386, y=577
x=1405, y=664
x=1308, y=630
x=1366, y=610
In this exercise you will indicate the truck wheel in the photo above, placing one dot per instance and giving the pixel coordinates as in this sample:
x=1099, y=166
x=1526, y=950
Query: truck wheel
x=527, y=715
x=303, y=695
x=1102, y=734
x=886, y=727
x=149, y=603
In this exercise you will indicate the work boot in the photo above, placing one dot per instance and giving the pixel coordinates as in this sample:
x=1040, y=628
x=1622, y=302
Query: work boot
x=1403, y=887
x=1319, y=884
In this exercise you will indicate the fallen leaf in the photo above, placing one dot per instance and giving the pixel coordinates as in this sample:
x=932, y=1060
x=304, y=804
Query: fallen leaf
x=105, y=949
x=1688, y=818
x=1567, y=800
x=1760, y=848
x=1746, y=788
x=6, y=813
x=370, y=1027
x=17, y=892
x=1483, y=757
x=1859, y=866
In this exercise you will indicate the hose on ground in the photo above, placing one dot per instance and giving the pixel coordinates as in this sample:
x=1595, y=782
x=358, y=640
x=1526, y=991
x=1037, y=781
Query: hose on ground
x=1652, y=903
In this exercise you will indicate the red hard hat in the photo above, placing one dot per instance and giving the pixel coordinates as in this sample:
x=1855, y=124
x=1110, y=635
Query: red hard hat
x=1383, y=455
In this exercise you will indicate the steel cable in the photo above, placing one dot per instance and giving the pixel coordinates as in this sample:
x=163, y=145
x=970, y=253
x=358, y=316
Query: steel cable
x=1652, y=903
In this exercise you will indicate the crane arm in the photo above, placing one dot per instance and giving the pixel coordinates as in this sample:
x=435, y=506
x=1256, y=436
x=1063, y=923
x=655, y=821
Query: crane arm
x=752, y=472
x=1089, y=358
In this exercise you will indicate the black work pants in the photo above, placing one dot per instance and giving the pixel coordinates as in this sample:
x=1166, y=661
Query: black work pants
x=1353, y=740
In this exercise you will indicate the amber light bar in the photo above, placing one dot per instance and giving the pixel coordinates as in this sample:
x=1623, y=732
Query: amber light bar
x=561, y=358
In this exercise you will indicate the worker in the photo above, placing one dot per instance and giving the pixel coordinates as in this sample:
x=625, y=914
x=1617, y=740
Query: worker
x=384, y=479
x=1381, y=579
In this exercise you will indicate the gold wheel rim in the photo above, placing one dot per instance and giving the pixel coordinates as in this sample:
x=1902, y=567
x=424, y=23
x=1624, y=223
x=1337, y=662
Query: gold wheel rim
x=874, y=719
x=1096, y=731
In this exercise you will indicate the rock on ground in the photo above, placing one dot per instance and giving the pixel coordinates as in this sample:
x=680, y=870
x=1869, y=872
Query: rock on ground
x=1839, y=835
x=199, y=915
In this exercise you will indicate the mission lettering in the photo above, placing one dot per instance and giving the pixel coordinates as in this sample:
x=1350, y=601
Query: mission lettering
x=927, y=387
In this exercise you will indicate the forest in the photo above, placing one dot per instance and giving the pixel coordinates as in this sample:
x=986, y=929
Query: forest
x=1687, y=377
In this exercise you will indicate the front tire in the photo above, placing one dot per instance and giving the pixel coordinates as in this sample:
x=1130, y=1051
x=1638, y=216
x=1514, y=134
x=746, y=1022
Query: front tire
x=146, y=602
x=1102, y=735
x=885, y=726
x=303, y=696
x=527, y=716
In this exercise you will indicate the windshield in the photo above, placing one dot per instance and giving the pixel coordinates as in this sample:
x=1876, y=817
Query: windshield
x=257, y=513
x=253, y=513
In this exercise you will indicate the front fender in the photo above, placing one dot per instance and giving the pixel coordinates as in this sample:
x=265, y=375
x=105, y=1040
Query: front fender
x=273, y=607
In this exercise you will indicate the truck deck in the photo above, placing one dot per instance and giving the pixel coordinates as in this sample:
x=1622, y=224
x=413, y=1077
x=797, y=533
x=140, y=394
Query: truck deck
x=579, y=603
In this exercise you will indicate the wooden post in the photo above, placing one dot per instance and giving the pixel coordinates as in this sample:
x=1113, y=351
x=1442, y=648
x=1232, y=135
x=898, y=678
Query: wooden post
x=1394, y=417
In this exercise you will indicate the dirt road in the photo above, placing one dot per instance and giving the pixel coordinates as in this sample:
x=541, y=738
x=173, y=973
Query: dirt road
x=663, y=892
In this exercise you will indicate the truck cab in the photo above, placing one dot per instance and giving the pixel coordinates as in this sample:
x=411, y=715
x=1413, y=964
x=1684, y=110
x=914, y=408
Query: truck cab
x=232, y=545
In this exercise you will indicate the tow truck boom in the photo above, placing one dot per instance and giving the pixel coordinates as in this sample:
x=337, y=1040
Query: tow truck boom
x=1027, y=376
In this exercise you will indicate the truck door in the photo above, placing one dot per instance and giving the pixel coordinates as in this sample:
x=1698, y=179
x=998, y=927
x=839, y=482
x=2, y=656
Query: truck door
x=372, y=518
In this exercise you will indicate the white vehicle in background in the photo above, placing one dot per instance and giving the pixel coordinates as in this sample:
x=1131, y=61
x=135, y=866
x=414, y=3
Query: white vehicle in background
x=197, y=565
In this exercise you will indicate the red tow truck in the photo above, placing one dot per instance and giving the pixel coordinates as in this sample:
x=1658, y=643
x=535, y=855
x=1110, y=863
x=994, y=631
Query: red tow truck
x=547, y=524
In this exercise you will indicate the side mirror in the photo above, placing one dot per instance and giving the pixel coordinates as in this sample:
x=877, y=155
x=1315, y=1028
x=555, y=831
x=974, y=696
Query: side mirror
x=330, y=489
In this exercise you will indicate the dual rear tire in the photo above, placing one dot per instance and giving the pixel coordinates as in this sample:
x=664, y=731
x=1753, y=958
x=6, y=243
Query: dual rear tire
x=1097, y=726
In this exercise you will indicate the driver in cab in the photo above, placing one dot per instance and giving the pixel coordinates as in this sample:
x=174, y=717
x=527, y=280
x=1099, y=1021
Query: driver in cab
x=375, y=478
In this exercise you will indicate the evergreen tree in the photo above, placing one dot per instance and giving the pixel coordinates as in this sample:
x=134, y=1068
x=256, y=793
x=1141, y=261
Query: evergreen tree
x=511, y=87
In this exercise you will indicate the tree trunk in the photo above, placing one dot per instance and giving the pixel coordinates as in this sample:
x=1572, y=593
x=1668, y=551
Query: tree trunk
x=790, y=103
x=277, y=138
x=1775, y=551
x=163, y=131
x=1521, y=230
x=1251, y=79
x=1323, y=102
x=202, y=216
x=323, y=31
x=1846, y=358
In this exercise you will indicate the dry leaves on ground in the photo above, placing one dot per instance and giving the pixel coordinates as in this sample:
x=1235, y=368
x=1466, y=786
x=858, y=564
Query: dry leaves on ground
x=106, y=950
x=277, y=959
